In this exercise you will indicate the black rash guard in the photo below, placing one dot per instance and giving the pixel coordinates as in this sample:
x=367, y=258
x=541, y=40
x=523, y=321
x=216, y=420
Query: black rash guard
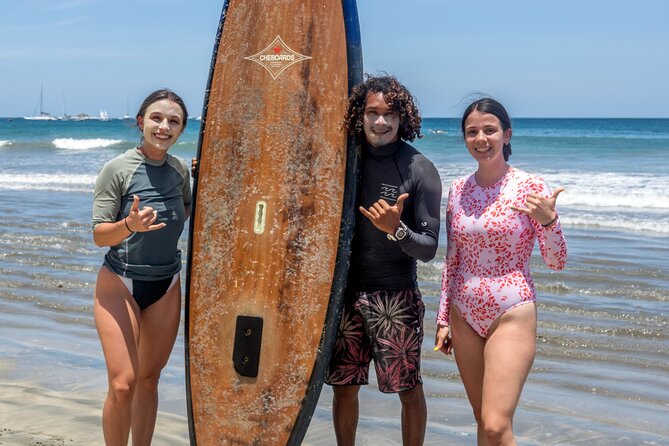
x=387, y=172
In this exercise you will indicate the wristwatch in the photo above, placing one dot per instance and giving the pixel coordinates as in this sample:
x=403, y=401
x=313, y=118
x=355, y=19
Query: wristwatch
x=399, y=234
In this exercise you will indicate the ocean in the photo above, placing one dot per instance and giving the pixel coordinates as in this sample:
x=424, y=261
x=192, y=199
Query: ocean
x=601, y=376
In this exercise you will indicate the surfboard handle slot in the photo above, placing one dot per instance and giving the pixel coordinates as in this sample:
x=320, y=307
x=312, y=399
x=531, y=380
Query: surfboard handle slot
x=246, y=352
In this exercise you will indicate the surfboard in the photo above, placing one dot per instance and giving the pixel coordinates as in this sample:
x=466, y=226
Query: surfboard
x=272, y=220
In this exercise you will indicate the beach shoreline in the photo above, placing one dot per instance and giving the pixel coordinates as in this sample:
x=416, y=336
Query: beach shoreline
x=33, y=415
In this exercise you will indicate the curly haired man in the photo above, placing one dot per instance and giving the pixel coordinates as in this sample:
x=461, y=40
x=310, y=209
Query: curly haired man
x=399, y=198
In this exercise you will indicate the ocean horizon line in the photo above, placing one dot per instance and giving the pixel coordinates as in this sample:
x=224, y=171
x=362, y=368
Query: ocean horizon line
x=197, y=118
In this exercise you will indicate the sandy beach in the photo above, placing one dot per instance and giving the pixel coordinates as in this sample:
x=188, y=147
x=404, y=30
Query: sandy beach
x=33, y=415
x=51, y=403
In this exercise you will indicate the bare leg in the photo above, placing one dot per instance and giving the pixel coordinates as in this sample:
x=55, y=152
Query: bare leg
x=159, y=325
x=116, y=319
x=414, y=416
x=468, y=350
x=345, y=411
x=508, y=356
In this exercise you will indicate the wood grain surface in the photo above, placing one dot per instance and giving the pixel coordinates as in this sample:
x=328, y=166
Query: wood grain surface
x=268, y=209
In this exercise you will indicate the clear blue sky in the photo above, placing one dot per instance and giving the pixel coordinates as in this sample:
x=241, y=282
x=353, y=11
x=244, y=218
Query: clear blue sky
x=541, y=58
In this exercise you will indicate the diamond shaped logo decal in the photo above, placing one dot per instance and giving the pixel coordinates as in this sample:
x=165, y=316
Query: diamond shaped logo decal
x=276, y=57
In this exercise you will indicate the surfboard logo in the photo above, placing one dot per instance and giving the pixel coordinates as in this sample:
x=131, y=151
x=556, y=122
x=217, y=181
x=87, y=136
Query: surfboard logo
x=276, y=57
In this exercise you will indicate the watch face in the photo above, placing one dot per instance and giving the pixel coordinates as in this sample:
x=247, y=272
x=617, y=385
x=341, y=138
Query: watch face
x=400, y=233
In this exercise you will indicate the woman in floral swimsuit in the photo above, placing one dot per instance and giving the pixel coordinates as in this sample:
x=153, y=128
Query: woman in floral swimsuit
x=487, y=313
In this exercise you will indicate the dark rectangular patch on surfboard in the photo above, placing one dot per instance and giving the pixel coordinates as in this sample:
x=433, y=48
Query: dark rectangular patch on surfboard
x=246, y=352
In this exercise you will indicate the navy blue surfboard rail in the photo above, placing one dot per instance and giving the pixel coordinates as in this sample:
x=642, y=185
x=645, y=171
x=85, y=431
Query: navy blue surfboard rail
x=355, y=75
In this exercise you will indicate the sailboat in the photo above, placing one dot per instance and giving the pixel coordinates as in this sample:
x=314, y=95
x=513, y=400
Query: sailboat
x=127, y=116
x=43, y=116
x=65, y=116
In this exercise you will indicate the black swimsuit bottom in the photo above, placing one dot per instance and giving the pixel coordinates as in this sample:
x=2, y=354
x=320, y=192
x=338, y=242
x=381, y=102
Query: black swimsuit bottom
x=148, y=292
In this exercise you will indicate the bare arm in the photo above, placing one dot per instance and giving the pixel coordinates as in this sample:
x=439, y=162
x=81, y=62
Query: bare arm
x=110, y=234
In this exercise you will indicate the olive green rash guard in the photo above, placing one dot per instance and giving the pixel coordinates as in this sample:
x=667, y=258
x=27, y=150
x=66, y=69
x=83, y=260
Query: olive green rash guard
x=162, y=185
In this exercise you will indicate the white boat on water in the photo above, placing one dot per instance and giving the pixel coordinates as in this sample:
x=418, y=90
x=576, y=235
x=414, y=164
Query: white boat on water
x=43, y=116
x=127, y=116
x=81, y=117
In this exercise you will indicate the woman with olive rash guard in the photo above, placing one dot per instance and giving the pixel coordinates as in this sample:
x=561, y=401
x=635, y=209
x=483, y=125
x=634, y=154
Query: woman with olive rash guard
x=137, y=292
x=144, y=256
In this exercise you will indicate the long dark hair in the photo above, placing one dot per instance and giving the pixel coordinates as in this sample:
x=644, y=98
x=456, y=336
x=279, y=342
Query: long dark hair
x=159, y=95
x=493, y=107
x=394, y=94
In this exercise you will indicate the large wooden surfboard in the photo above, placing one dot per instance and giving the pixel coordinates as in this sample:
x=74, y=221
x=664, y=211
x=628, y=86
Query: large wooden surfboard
x=273, y=218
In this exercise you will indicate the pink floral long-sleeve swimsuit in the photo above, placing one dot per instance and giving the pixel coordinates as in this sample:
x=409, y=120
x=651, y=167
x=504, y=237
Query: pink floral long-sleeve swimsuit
x=487, y=266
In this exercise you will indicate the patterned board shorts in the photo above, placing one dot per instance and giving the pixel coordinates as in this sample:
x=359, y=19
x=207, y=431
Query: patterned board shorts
x=386, y=326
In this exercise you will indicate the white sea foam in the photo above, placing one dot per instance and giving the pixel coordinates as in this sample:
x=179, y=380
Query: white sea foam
x=59, y=182
x=617, y=201
x=611, y=190
x=4, y=143
x=595, y=190
x=84, y=144
x=623, y=223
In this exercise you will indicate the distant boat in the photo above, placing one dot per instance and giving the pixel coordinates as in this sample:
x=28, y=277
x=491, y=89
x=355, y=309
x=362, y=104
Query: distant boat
x=127, y=116
x=81, y=117
x=65, y=116
x=43, y=116
x=103, y=116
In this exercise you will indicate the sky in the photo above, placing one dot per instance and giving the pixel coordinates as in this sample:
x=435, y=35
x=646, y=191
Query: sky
x=540, y=58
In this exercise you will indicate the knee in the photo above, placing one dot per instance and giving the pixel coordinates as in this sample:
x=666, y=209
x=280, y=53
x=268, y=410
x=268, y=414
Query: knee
x=412, y=397
x=497, y=428
x=149, y=380
x=122, y=389
x=345, y=394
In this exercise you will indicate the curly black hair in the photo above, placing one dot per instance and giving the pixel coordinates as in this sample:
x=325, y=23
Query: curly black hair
x=395, y=94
